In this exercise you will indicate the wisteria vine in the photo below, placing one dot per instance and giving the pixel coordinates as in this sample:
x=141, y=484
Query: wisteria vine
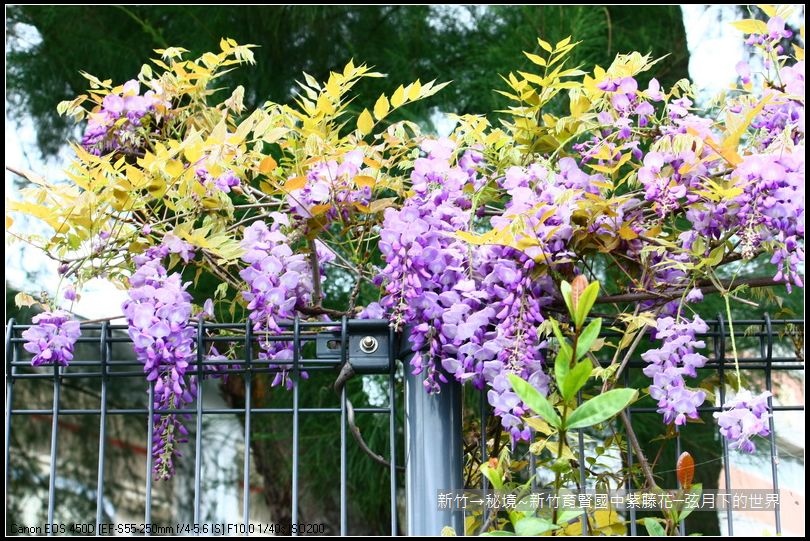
x=467, y=238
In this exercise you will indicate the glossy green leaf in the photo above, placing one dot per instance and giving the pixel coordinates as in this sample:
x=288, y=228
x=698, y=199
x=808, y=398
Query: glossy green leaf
x=588, y=336
x=654, y=527
x=534, y=526
x=493, y=475
x=562, y=366
x=576, y=379
x=585, y=303
x=568, y=515
x=600, y=408
x=691, y=503
x=536, y=401
x=565, y=289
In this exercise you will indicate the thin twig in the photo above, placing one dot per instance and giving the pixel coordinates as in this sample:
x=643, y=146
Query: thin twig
x=627, y=356
x=642, y=460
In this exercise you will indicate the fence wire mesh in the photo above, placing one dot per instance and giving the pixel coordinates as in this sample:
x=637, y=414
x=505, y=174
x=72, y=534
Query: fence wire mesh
x=78, y=438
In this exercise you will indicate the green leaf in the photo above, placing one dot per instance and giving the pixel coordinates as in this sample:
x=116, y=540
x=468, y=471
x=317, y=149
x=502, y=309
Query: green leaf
x=696, y=491
x=568, y=515
x=600, y=408
x=585, y=303
x=534, y=526
x=560, y=338
x=716, y=256
x=493, y=475
x=498, y=533
x=537, y=402
x=576, y=379
x=565, y=289
x=654, y=528
x=562, y=366
x=587, y=337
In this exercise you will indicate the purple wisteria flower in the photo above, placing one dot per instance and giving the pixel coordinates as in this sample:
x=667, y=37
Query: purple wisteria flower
x=280, y=282
x=224, y=182
x=52, y=338
x=158, y=311
x=744, y=417
x=425, y=275
x=332, y=184
x=474, y=311
x=117, y=125
x=672, y=361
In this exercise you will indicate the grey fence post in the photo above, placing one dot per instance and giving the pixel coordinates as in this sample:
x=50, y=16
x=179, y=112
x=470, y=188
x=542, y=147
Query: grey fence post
x=434, y=454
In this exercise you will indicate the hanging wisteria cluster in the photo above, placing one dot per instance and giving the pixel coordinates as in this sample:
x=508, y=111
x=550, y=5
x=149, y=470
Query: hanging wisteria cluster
x=466, y=238
x=279, y=282
x=158, y=312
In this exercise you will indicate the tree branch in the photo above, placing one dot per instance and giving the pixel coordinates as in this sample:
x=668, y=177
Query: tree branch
x=671, y=294
x=317, y=296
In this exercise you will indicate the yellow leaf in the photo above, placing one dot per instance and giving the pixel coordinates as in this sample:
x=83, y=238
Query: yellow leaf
x=325, y=105
x=266, y=187
x=371, y=162
x=415, y=90
x=44, y=213
x=768, y=9
x=193, y=152
x=626, y=232
x=333, y=86
x=365, y=123
x=363, y=180
x=539, y=60
x=381, y=108
x=751, y=26
x=730, y=155
x=311, y=81
x=603, y=521
x=539, y=425
x=544, y=44
x=496, y=236
x=267, y=165
x=733, y=139
x=274, y=135
x=210, y=59
x=295, y=183
x=398, y=98
x=562, y=43
x=9, y=221
x=532, y=78
x=218, y=134
x=381, y=204
x=317, y=210
x=174, y=168
x=24, y=299
x=579, y=103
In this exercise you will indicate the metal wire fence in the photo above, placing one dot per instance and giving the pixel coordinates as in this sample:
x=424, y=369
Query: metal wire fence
x=78, y=438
